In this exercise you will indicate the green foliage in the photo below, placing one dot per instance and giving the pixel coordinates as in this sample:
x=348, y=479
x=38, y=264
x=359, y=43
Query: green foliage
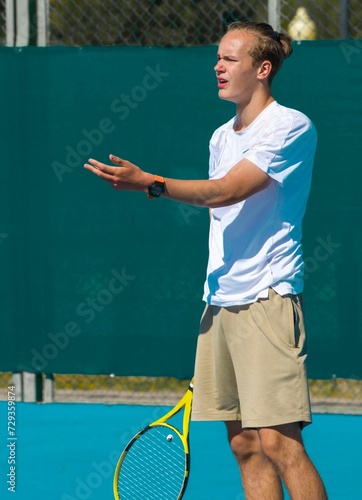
x=145, y=22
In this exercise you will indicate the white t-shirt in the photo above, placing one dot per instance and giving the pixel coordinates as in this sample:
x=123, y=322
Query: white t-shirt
x=256, y=244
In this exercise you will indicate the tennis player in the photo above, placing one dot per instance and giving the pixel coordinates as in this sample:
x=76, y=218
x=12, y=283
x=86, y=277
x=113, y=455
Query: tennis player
x=250, y=363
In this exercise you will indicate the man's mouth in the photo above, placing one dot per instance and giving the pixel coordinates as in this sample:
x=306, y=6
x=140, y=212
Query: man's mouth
x=221, y=82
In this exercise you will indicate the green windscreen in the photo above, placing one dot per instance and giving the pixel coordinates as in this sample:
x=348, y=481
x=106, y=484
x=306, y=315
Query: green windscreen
x=98, y=281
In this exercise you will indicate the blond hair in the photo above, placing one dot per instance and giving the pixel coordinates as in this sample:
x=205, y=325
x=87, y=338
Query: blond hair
x=268, y=45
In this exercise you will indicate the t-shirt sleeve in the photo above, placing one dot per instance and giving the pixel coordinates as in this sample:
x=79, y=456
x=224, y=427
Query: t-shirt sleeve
x=287, y=144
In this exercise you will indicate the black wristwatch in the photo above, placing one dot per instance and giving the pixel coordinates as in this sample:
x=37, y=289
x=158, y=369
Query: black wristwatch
x=156, y=188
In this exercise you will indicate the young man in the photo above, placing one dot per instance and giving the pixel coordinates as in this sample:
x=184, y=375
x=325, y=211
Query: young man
x=250, y=362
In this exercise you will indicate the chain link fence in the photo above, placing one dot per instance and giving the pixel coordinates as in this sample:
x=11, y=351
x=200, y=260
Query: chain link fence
x=185, y=22
x=144, y=22
x=332, y=19
x=328, y=396
x=2, y=22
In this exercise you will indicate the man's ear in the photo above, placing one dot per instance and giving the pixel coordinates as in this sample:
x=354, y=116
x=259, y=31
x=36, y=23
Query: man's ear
x=264, y=70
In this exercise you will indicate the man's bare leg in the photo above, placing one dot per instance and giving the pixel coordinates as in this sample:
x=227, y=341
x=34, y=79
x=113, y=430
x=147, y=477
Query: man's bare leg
x=259, y=477
x=284, y=448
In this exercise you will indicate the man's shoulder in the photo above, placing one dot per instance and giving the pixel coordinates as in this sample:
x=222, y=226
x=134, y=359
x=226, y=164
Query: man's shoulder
x=283, y=113
x=291, y=123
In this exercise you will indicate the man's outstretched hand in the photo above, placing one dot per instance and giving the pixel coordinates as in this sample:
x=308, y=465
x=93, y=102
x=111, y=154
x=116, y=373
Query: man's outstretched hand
x=125, y=176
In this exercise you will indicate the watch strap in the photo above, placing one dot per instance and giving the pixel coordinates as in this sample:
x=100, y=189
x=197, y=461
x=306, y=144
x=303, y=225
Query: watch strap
x=157, y=180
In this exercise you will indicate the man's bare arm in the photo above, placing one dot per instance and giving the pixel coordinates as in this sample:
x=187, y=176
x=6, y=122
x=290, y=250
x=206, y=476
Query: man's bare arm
x=243, y=180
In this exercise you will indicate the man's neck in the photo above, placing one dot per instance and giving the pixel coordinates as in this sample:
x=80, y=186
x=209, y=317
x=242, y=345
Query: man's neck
x=247, y=112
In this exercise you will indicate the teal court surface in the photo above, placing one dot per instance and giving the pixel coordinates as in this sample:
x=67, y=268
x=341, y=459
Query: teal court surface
x=69, y=451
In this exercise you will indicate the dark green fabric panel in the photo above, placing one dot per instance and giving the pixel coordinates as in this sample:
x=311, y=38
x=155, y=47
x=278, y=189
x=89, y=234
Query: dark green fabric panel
x=97, y=281
x=323, y=79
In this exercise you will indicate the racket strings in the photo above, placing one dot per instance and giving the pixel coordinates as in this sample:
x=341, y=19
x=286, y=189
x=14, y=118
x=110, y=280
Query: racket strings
x=153, y=468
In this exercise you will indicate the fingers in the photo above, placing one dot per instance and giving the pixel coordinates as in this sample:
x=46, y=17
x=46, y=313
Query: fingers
x=98, y=169
x=113, y=175
x=102, y=166
x=116, y=160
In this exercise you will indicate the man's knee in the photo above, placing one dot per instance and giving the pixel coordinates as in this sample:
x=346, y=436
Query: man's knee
x=282, y=443
x=243, y=443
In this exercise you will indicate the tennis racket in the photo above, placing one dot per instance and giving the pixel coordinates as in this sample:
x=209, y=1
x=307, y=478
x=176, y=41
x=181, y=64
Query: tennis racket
x=155, y=464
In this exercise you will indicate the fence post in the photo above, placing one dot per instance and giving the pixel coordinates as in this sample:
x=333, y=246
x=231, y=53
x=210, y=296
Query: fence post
x=30, y=387
x=48, y=392
x=344, y=18
x=43, y=22
x=27, y=22
x=17, y=379
x=274, y=14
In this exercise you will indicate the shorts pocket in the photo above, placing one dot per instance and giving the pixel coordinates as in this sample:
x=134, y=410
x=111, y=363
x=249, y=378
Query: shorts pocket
x=294, y=320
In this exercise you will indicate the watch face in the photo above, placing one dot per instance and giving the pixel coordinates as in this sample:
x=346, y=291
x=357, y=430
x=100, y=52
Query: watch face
x=156, y=189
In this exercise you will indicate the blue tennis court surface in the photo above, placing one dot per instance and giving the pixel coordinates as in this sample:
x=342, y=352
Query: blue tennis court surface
x=69, y=451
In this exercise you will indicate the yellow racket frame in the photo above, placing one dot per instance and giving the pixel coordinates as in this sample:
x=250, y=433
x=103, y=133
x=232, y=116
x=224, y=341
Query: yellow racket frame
x=184, y=403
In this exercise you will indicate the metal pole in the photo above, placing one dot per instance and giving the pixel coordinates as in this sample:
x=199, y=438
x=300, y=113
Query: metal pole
x=33, y=23
x=10, y=14
x=344, y=18
x=22, y=24
x=274, y=14
x=17, y=23
x=29, y=387
x=27, y=22
x=43, y=22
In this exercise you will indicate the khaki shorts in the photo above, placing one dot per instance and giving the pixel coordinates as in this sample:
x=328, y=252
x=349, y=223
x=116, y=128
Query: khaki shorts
x=250, y=364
